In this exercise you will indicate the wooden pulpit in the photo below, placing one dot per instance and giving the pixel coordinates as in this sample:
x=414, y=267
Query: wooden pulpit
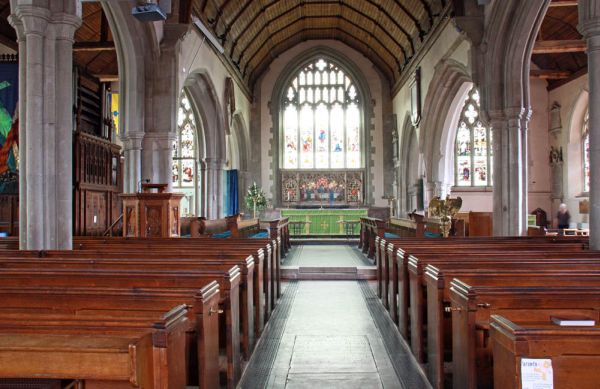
x=150, y=214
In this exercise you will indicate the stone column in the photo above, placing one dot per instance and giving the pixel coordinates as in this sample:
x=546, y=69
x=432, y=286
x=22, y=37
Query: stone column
x=214, y=189
x=46, y=122
x=510, y=172
x=203, y=192
x=157, y=157
x=132, y=169
x=589, y=26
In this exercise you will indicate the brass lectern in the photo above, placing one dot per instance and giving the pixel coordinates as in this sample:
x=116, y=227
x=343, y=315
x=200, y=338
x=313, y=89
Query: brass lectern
x=150, y=214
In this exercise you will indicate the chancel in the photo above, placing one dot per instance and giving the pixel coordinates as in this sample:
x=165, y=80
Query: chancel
x=291, y=194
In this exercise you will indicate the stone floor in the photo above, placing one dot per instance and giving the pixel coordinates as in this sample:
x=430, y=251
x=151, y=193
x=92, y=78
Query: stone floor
x=331, y=334
x=331, y=341
x=320, y=255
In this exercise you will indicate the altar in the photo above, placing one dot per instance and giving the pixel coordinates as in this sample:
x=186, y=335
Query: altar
x=326, y=221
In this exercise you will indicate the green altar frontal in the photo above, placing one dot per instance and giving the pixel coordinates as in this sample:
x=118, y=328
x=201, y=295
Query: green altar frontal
x=325, y=221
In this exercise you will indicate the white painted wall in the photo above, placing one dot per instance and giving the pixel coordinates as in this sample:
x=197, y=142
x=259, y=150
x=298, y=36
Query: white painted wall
x=573, y=99
x=196, y=54
x=539, y=147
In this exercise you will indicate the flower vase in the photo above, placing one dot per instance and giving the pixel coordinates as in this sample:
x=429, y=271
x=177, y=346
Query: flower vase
x=254, y=209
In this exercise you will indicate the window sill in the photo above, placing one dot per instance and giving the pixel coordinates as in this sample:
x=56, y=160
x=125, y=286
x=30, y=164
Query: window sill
x=472, y=189
x=583, y=195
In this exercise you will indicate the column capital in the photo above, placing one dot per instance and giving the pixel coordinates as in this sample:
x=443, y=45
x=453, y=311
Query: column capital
x=65, y=25
x=213, y=163
x=589, y=18
x=160, y=136
x=514, y=113
x=33, y=20
x=132, y=140
x=161, y=140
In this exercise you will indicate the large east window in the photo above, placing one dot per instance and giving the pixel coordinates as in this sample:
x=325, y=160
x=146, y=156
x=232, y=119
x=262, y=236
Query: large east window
x=321, y=119
x=185, y=166
x=473, y=156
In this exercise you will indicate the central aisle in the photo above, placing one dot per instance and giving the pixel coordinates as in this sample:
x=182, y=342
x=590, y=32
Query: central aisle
x=331, y=334
x=331, y=341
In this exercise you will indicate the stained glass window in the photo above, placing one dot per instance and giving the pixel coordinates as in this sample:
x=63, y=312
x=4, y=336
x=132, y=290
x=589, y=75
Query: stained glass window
x=185, y=167
x=586, y=153
x=473, y=153
x=322, y=126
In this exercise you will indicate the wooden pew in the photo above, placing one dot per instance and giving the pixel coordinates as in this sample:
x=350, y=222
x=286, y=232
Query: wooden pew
x=424, y=279
x=123, y=352
x=369, y=229
x=269, y=248
x=151, y=261
x=391, y=250
x=439, y=324
x=573, y=351
x=401, y=279
x=132, y=280
x=387, y=252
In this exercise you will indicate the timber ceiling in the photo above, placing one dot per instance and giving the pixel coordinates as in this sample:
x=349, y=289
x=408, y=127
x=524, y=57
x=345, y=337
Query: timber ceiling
x=254, y=32
x=560, y=51
x=93, y=49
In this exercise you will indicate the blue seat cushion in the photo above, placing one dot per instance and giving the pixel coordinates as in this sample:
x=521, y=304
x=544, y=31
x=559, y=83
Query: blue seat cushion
x=226, y=234
x=432, y=235
x=390, y=235
x=260, y=235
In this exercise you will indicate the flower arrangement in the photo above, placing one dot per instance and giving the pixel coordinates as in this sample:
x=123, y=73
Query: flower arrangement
x=255, y=199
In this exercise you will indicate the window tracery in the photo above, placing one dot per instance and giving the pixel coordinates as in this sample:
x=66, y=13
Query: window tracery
x=473, y=154
x=321, y=119
x=185, y=167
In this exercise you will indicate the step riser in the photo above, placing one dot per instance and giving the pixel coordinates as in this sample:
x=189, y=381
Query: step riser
x=328, y=274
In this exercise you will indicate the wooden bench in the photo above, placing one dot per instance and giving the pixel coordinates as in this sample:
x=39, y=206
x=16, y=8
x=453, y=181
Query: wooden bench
x=271, y=272
x=439, y=323
x=573, y=351
x=400, y=279
x=422, y=280
x=386, y=255
x=155, y=261
x=169, y=281
x=123, y=352
x=369, y=229
x=153, y=350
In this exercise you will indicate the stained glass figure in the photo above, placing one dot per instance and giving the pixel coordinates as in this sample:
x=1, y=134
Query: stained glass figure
x=472, y=153
x=185, y=170
x=322, y=126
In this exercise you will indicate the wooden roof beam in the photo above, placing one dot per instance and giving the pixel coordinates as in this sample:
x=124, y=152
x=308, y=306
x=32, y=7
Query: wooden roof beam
x=550, y=74
x=272, y=20
x=559, y=46
x=339, y=17
x=94, y=46
x=563, y=3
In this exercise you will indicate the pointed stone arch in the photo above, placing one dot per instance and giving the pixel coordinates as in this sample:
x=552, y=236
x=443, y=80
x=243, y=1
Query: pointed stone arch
x=504, y=58
x=209, y=113
x=444, y=100
x=134, y=44
x=411, y=166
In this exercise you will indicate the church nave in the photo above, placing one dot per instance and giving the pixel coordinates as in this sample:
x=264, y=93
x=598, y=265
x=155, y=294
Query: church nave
x=324, y=334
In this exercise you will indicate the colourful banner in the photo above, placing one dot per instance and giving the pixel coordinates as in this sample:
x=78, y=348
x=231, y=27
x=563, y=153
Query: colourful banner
x=9, y=127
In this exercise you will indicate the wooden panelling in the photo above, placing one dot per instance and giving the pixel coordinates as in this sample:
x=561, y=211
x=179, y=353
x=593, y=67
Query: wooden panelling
x=97, y=181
